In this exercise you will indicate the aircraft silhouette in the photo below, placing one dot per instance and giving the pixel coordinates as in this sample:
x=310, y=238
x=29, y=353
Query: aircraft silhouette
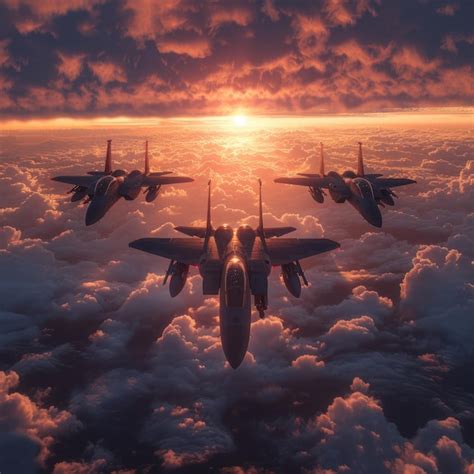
x=235, y=265
x=365, y=192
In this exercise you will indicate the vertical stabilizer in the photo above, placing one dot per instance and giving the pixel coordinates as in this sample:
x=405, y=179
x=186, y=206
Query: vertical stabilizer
x=260, y=228
x=147, y=159
x=321, y=164
x=360, y=162
x=208, y=219
x=108, y=158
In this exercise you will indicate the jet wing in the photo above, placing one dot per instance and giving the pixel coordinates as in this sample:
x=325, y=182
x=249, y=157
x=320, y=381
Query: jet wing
x=316, y=182
x=83, y=181
x=283, y=251
x=183, y=250
x=159, y=180
x=384, y=183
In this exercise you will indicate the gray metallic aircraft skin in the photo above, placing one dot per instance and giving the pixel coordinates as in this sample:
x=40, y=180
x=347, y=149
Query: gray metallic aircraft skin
x=106, y=194
x=104, y=188
x=235, y=317
x=365, y=192
x=235, y=266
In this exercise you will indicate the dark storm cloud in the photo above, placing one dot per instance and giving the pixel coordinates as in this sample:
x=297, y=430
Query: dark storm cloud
x=181, y=57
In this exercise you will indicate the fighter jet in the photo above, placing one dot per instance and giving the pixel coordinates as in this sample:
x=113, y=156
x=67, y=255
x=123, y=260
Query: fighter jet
x=104, y=189
x=84, y=185
x=365, y=192
x=235, y=265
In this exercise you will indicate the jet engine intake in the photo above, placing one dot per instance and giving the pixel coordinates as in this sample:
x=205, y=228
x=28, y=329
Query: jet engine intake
x=79, y=193
x=338, y=189
x=337, y=197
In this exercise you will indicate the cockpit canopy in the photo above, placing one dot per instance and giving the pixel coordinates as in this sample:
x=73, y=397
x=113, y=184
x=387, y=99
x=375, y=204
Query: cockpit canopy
x=103, y=185
x=235, y=283
x=364, y=188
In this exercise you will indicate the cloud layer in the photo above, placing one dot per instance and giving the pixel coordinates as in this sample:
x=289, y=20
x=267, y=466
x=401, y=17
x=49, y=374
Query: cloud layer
x=370, y=371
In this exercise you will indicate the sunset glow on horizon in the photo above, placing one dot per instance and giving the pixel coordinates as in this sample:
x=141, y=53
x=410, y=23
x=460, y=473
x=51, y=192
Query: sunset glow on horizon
x=451, y=116
x=240, y=120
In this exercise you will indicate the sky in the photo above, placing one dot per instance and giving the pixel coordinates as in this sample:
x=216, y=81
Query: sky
x=186, y=58
x=370, y=371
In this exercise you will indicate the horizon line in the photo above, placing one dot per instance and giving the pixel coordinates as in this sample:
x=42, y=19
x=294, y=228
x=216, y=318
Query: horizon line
x=416, y=115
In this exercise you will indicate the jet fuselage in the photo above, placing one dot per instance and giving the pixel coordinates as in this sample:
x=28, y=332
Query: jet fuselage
x=357, y=191
x=236, y=266
x=235, y=308
x=233, y=249
x=106, y=194
x=362, y=198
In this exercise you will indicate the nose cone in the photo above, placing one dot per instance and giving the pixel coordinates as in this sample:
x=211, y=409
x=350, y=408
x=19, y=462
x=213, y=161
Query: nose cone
x=234, y=343
x=376, y=218
x=235, y=356
x=371, y=213
x=96, y=210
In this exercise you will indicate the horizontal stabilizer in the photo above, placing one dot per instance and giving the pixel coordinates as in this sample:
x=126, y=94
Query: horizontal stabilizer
x=96, y=173
x=277, y=231
x=160, y=180
x=192, y=231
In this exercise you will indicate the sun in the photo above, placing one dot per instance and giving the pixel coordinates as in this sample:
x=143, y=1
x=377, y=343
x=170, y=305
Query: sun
x=239, y=120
